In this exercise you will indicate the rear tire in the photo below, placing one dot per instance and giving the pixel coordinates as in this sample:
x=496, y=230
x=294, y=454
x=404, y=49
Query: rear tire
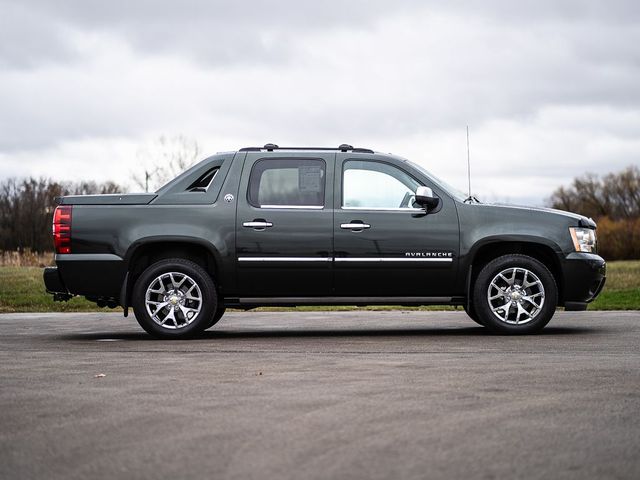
x=175, y=299
x=471, y=312
x=515, y=294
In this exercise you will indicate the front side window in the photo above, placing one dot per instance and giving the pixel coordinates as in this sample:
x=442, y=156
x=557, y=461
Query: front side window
x=287, y=182
x=368, y=184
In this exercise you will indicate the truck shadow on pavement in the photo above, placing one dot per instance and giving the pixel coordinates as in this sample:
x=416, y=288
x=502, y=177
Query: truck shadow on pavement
x=329, y=333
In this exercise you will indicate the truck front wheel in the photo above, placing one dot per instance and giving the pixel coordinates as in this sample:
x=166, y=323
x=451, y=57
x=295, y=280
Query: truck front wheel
x=217, y=316
x=515, y=294
x=174, y=298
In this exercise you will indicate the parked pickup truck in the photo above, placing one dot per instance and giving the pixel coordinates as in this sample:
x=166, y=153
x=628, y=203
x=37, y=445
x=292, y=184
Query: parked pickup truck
x=271, y=226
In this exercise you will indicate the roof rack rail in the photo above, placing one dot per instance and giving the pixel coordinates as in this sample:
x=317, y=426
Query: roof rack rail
x=270, y=147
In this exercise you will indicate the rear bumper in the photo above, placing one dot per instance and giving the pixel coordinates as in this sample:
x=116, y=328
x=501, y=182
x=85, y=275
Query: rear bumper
x=584, y=279
x=91, y=275
x=52, y=281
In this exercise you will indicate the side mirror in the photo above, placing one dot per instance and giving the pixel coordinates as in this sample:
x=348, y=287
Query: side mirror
x=426, y=199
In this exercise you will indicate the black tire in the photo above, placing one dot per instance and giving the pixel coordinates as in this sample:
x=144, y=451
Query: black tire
x=471, y=312
x=182, y=327
x=538, y=285
x=217, y=316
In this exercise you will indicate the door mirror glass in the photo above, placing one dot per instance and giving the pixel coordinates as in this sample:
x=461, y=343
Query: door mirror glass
x=425, y=198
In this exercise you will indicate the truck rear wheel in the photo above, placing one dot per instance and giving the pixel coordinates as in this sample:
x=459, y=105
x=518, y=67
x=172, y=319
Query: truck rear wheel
x=471, y=312
x=515, y=294
x=174, y=298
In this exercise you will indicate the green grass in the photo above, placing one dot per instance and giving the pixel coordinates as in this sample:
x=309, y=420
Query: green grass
x=622, y=290
x=22, y=290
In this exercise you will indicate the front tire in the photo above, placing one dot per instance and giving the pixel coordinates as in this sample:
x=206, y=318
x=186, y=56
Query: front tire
x=174, y=298
x=217, y=316
x=515, y=294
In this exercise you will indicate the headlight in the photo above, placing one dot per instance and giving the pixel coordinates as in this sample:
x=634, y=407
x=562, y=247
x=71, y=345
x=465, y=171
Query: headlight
x=584, y=239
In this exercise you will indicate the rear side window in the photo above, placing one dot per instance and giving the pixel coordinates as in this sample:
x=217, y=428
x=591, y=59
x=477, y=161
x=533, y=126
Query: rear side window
x=287, y=182
x=203, y=182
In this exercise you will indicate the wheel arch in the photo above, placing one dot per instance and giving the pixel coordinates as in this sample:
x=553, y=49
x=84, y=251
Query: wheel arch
x=149, y=250
x=539, y=248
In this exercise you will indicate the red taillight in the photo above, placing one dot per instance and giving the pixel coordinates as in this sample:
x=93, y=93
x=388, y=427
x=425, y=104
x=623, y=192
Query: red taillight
x=62, y=229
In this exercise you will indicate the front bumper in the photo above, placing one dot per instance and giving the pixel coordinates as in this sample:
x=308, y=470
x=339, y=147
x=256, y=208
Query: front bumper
x=584, y=278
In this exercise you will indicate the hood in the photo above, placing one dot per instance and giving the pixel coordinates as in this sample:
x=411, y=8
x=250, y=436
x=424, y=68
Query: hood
x=581, y=220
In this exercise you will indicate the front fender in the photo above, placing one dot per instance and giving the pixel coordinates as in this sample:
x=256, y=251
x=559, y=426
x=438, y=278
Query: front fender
x=510, y=239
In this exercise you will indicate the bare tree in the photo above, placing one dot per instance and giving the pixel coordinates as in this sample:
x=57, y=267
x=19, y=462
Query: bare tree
x=614, y=201
x=26, y=208
x=163, y=159
x=622, y=191
x=91, y=187
x=616, y=195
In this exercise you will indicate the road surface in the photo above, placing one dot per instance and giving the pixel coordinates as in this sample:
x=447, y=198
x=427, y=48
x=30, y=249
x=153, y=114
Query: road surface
x=306, y=395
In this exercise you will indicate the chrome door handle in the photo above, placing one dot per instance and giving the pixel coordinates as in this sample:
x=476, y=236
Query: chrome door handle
x=256, y=224
x=355, y=226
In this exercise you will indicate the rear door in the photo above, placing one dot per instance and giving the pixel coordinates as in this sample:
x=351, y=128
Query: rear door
x=284, y=224
x=385, y=246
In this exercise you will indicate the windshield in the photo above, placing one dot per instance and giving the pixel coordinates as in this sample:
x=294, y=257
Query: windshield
x=454, y=192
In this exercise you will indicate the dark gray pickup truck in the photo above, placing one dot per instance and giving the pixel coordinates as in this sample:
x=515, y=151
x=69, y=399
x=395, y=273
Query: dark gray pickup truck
x=271, y=226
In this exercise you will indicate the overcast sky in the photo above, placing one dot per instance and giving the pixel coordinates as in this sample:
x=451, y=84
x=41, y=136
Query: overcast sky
x=549, y=89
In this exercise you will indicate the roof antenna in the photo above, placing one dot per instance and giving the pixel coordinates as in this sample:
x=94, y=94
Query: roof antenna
x=468, y=163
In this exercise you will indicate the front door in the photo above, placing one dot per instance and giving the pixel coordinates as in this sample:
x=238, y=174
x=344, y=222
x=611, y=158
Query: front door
x=285, y=225
x=384, y=245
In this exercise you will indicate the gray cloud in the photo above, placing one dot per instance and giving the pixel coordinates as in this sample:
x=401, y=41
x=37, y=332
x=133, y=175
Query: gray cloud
x=223, y=32
x=214, y=32
x=29, y=38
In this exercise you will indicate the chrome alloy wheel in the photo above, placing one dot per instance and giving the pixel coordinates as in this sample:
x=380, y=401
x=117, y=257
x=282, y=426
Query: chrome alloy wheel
x=515, y=295
x=173, y=300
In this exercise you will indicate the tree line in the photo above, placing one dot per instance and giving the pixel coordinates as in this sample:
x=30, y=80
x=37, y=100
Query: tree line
x=613, y=201
x=26, y=210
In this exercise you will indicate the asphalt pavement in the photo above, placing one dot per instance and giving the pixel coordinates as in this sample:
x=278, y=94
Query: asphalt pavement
x=317, y=395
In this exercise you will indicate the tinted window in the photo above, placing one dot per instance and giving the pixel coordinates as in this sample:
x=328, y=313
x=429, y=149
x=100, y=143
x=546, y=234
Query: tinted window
x=203, y=183
x=283, y=182
x=368, y=184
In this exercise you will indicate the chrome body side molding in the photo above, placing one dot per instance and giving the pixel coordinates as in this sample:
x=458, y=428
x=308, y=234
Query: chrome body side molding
x=342, y=259
x=391, y=259
x=284, y=259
